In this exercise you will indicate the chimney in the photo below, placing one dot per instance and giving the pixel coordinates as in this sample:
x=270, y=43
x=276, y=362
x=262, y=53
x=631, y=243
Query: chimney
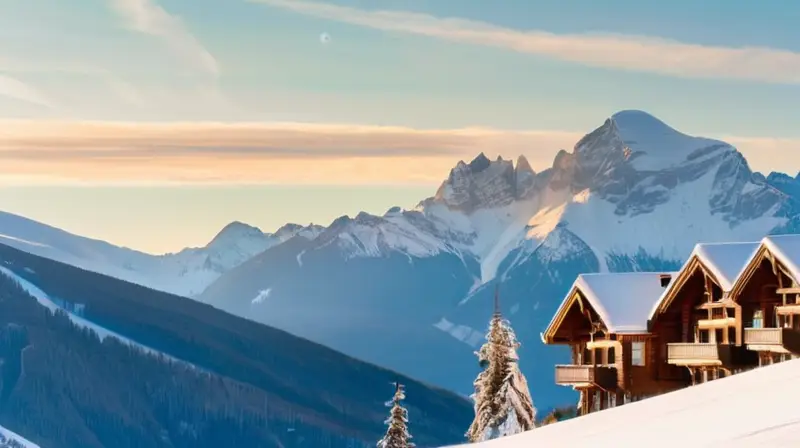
x=665, y=279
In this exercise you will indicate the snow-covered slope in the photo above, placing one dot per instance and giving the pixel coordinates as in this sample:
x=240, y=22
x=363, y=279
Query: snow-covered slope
x=185, y=273
x=10, y=439
x=752, y=409
x=53, y=304
x=634, y=194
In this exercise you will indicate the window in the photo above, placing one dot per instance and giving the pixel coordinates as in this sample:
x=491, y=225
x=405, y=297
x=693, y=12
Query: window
x=637, y=353
x=611, y=356
x=758, y=319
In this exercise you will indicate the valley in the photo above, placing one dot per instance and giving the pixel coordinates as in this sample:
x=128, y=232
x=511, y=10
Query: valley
x=92, y=361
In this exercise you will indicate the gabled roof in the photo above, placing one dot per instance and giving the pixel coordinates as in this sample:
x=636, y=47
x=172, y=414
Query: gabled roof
x=621, y=300
x=724, y=262
x=786, y=251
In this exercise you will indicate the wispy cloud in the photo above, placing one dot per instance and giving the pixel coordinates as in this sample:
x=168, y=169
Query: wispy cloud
x=284, y=153
x=14, y=88
x=146, y=16
x=292, y=153
x=635, y=53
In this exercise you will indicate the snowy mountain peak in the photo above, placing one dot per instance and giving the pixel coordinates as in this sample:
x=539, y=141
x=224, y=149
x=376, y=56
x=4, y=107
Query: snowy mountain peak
x=639, y=119
x=393, y=211
x=523, y=166
x=234, y=231
x=479, y=163
x=485, y=184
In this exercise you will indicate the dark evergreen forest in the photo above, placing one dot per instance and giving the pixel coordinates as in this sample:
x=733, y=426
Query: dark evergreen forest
x=242, y=384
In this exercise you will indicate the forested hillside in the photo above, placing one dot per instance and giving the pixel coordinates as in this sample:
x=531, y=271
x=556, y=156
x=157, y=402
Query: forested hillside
x=245, y=384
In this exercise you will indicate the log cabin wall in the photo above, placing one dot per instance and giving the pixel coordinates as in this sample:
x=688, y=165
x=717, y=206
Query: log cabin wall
x=644, y=380
x=665, y=331
x=759, y=294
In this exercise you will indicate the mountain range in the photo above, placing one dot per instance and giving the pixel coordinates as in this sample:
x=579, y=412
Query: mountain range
x=411, y=289
x=90, y=361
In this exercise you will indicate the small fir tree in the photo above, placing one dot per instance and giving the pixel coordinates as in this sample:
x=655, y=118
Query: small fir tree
x=397, y=436
x=503, y=404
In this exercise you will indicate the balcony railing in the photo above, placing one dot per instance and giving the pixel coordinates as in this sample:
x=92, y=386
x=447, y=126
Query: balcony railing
x=601, y=376
x=786, y=338
x=700, y=354
x=695, y=353
x=763, y=336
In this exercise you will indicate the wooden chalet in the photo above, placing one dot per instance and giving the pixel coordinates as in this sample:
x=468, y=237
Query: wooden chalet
x=698, y=321
x=768, y=291
x=603, y=319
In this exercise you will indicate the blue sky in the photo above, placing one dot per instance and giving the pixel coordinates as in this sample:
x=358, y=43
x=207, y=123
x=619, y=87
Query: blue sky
x=532, y=75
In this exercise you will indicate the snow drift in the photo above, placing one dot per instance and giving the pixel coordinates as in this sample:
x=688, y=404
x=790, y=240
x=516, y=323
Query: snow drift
x=755, y=408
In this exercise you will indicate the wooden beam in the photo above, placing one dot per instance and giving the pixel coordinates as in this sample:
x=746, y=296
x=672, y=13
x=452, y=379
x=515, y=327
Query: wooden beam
x=737, y=316
x=788, y=291
x=787, y=310
x=725, y=303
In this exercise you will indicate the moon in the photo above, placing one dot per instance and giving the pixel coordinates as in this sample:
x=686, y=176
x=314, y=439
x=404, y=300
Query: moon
x=324, y=38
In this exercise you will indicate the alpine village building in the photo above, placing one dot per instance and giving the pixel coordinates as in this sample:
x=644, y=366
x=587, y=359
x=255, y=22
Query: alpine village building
x=731, y=307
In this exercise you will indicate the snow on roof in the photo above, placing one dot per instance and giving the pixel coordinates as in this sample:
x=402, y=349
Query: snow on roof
x=622, y=300
x=714, y=414
x=725, y=260
x=786, y=249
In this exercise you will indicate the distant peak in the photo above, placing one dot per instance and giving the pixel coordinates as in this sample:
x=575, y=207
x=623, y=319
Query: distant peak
x=632, y=113
x=523, y=164
x=238, y=226
x=479, y=163
x=628, y=119
x=288, y=228
x=236, y=229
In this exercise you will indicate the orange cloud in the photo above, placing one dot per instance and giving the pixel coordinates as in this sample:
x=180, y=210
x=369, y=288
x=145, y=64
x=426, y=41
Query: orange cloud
x=297, y=153
x=42, y=152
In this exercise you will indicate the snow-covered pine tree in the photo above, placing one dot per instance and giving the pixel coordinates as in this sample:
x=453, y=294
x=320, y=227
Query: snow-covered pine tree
x=397, y=436
x=503, y=404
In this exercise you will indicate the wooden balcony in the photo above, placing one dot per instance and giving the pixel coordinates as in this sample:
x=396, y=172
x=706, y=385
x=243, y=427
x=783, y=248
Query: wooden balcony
x=707, y=354
x=779, y=340
x=695, y=353
x=604, y=377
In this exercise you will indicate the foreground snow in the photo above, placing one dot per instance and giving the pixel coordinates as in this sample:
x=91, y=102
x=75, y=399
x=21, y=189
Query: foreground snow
x=756, y=408
x=13, y=440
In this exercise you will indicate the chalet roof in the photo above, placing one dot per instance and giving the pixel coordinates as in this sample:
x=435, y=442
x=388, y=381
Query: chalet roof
x=724, y=261
x=621, y=300
x=786, y=249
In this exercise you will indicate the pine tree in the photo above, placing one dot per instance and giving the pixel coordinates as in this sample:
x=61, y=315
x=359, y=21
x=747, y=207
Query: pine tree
x=503, y=404
x=397, y=435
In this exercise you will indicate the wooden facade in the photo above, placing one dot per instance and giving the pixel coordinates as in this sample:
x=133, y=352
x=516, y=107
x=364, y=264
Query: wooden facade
x=608, y=368
x=700, y=327
x=706, y=325
x=769, y=295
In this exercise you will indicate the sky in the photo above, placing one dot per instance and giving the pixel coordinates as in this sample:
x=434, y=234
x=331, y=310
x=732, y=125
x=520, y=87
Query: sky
x=153, y=123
